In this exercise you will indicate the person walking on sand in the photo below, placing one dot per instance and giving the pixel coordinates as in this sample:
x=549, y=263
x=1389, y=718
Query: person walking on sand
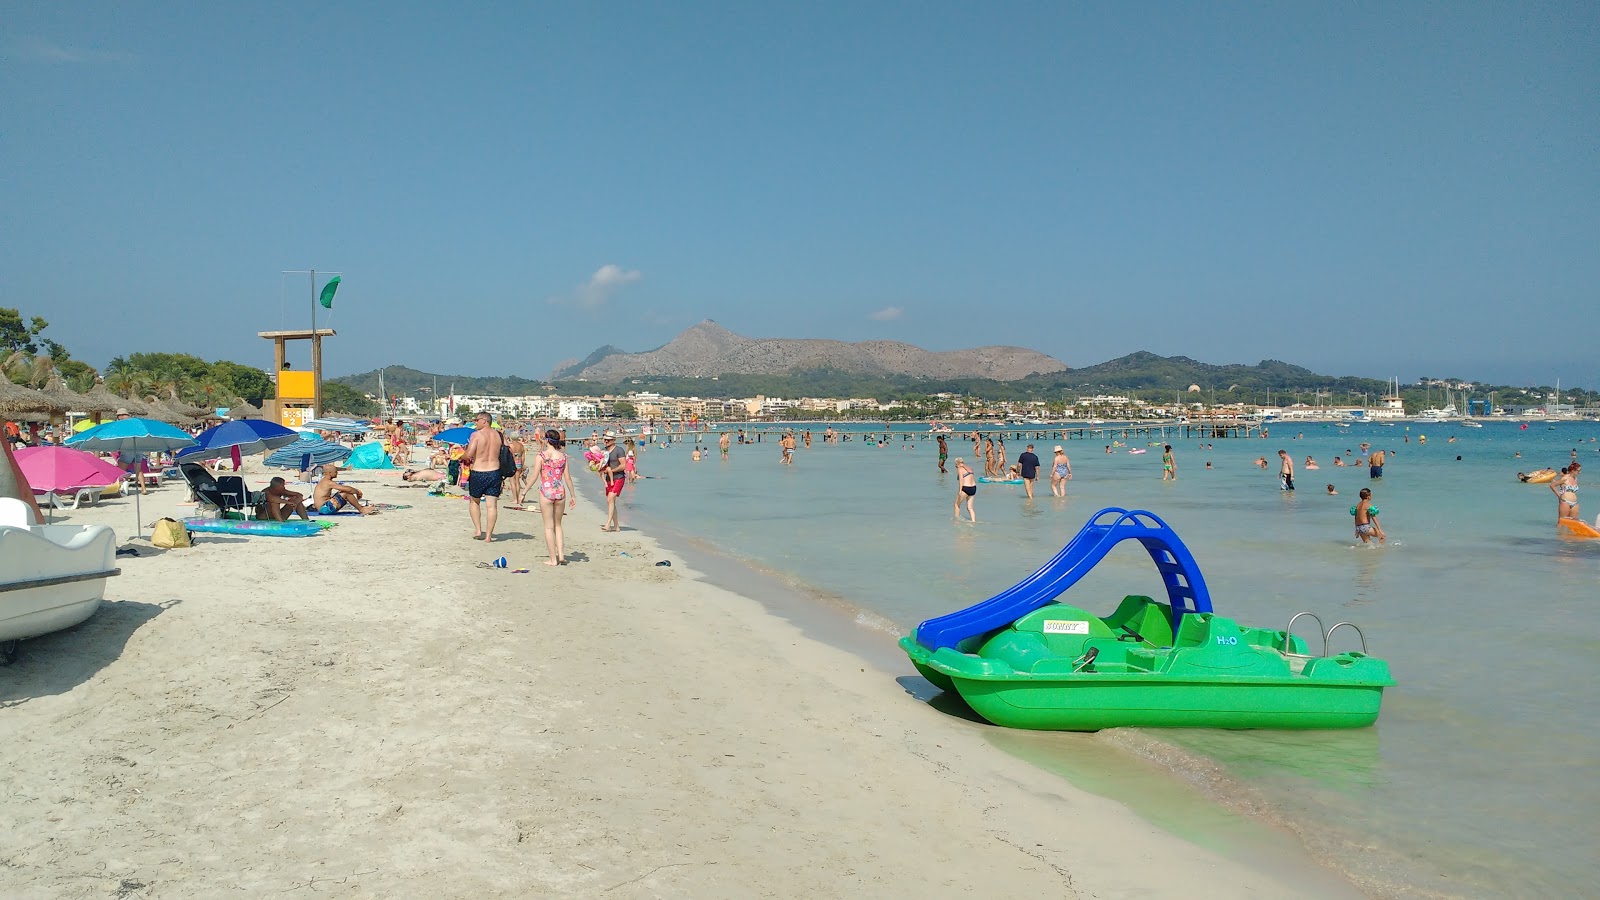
x=614, y=472
x=944, y=452
x=482, y=459
x=1366, y=514
x=1060, y=472
x=1169, y=466
x=1375, y=463
x=1285, y=471
x=554, y=481
x=1028, y=468
x=1566, y=490
x=966, y=488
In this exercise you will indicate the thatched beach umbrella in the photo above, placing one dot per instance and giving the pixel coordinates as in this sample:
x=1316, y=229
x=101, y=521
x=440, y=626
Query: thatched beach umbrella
x=157, y=409
x=133, y=405
x=19, y=401
x=242, y=409
x=57, y=390
x=189, y=409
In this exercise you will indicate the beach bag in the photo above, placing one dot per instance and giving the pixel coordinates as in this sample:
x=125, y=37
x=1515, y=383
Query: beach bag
x=169, y=533
x=508, y=463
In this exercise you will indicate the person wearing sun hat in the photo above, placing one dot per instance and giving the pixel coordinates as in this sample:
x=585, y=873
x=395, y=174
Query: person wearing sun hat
x=1060, y=472
x=614, y=472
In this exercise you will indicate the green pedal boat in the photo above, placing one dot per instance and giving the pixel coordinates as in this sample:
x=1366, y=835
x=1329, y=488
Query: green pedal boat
x=1023, y=659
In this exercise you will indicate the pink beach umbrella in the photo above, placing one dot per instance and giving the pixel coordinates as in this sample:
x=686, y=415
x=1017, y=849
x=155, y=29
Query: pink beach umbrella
x=50, y=468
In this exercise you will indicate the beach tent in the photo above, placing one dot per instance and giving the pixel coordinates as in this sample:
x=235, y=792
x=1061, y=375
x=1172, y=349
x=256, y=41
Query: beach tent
x=369, y=456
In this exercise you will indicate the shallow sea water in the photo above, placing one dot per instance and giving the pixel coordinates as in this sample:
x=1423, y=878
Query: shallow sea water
x=1479, y=779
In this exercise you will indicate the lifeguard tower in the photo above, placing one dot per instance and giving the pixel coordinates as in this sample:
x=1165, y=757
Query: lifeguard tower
x=299, y=392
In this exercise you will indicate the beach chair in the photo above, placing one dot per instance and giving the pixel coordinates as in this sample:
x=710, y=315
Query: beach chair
x=234, y=488
x=208, y=492
x=72, y=499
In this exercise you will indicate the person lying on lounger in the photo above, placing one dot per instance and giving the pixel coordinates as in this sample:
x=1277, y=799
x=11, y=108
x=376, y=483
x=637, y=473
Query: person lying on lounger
x=279, y=503
x=329, y=496
x=422, y=476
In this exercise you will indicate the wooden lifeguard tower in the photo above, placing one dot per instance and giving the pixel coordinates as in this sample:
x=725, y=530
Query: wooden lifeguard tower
x=299, y=392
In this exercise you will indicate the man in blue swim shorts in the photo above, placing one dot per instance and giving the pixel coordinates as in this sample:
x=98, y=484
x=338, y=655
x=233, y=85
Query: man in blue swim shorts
x=1375, y=464
x=483, y=479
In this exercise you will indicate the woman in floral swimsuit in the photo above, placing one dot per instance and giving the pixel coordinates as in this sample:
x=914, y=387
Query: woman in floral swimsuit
x=555, y=488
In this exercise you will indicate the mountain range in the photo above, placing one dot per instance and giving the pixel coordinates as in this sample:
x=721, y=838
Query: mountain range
x=709, y=350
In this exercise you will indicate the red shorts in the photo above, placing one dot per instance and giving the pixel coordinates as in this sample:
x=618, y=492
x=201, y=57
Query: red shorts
x=615, y=485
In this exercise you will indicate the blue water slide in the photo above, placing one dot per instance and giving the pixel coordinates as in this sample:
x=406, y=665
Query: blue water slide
x=1186, y=588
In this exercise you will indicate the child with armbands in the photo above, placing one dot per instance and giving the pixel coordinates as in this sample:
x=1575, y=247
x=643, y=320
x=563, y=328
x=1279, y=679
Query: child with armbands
x=1366, y=514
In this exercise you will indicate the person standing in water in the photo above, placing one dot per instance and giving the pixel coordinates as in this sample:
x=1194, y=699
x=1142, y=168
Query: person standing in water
x=787, y=443
x=944, y=452
x=1566, y=490
x=722, y=444
x=1028, y=468
x=966, y=488
x=1366, y=514
x=1060, y=472
x=1169, y=466
x=1285, y=471
x=1375, y=463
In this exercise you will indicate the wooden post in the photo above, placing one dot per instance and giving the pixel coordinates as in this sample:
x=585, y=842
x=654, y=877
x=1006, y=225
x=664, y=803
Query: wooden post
x=316, y=372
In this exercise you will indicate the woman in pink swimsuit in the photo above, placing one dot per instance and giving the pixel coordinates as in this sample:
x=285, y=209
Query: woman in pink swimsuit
x=555, y=487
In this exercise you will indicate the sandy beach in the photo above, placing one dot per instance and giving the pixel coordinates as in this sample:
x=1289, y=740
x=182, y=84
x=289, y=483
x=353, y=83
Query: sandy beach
x=366, y=713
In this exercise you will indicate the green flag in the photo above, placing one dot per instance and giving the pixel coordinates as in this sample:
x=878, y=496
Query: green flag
x=328, y=290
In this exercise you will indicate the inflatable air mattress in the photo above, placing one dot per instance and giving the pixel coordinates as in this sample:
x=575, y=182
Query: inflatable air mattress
x=987, y=480
x=1578, y=528
x=265, y=528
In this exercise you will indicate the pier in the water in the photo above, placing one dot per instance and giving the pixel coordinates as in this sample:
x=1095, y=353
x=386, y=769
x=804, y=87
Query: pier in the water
x=1011, y=434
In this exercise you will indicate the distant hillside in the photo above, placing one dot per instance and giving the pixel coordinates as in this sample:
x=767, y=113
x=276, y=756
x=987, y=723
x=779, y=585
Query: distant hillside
x=708, y=350
x=407, y=382
x=1144, y=371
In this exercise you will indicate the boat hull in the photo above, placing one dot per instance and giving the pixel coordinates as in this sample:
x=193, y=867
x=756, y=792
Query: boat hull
x=1092, y=701
x=54, y=577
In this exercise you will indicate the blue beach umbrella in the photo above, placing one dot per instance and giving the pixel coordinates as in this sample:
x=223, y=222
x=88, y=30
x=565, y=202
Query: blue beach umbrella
x=454, y=435
x=132, y=436
x=248, y=436
x=307, y=452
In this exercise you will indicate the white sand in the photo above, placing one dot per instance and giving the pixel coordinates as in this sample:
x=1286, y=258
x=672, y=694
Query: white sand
x=366, y=714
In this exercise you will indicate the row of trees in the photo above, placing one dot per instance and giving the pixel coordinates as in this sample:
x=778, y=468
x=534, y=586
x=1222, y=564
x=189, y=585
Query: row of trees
x=29, y=357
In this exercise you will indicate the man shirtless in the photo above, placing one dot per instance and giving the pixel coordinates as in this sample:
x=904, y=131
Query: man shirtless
x=483, y=481
x=722, y=444
x=279, y=502
x=1285, y=471
x=1375, y=463
x=329, y=496
x=788, y=448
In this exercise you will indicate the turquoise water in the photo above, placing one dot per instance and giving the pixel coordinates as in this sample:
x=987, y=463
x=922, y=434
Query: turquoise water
x=1479, y=779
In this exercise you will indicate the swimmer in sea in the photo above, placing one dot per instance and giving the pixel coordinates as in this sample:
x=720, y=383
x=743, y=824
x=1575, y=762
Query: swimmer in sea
x=1311, y=464
x=1366, y=514
x=1331, y=491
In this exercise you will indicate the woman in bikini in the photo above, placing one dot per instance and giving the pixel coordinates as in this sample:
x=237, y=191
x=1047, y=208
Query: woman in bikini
x=1566, y=490
x=555, y=487
x=966, y=488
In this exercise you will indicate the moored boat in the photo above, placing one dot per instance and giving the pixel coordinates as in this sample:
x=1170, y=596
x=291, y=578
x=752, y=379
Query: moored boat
x=51, y=576
x=1024, y=659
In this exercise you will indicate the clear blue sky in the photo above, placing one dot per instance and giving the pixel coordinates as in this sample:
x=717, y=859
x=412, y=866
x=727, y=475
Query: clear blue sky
x=1373, y=188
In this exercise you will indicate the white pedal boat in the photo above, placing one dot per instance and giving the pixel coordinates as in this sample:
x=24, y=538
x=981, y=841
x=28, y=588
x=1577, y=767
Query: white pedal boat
x=51, y=576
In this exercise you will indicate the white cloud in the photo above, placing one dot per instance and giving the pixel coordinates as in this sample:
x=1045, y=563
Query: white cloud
x=598, y=290
x=887, y=314
x=41, y=50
